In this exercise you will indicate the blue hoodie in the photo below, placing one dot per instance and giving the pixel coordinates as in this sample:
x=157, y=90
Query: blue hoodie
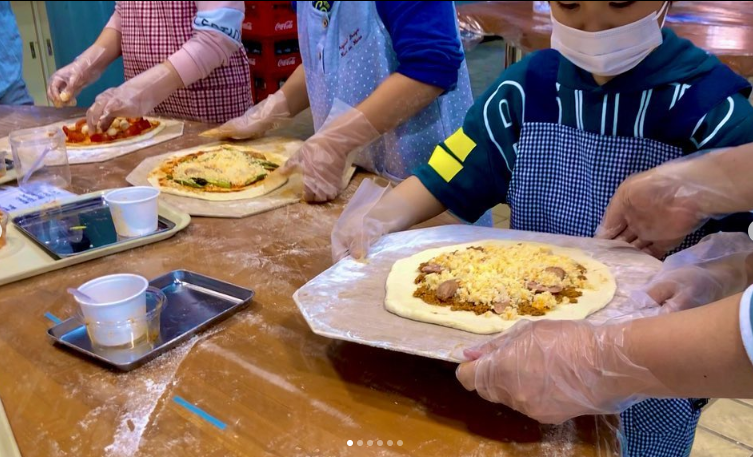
x=471, y=170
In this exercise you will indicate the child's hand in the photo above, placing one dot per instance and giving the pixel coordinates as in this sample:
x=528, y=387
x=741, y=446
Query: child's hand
x=325, y=156
x=375, y=211
x=270, y=114
x=359, y=227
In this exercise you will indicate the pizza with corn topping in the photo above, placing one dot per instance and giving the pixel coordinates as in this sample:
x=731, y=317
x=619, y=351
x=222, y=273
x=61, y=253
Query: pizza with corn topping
x=492, y=284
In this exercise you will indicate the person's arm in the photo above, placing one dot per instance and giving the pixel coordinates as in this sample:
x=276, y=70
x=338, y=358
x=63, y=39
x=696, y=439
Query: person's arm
x=66, y=83
x=374, y=211
x=553, y=371
x=273, y=112
x=296, y=93
x=429, y=53
x=216, y=36
x=719, y=266
x=710, y=337
x=109, y=40
x=467, y=174
x=396, y=100
x=670, y=201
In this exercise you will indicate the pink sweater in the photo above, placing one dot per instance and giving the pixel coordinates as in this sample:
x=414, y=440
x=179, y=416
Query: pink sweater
x=205, y=51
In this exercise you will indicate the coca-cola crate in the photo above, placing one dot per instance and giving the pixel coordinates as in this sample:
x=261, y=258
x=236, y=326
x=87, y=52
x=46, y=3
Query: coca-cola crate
x=273, y=55
x=269, y=20
x=267, y=84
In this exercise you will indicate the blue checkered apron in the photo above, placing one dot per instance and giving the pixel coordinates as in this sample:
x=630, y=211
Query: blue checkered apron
x=562, y=181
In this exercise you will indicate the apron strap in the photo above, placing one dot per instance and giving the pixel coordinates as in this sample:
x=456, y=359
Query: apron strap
x=541, y=84
x=715, y=87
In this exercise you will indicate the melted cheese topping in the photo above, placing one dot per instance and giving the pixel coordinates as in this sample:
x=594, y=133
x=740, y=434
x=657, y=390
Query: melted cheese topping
x=221, y=165
x=500, y=274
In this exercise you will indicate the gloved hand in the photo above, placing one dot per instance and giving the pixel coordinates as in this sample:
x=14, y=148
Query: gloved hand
x=324, y=158
x=373, y=212
x=271, y=113
x=135, y=97
x=719, y=266
x=554, y=370
x=666, y=203
x=653, y=206
x=66, y=83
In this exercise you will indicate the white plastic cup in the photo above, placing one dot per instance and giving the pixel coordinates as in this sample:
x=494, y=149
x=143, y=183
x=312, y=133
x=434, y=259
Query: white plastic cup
x=40, y=158
x=120, y=298
x=134, y=210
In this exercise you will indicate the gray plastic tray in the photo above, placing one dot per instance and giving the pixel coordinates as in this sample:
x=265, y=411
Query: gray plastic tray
x=194, y=303
x=77, y=228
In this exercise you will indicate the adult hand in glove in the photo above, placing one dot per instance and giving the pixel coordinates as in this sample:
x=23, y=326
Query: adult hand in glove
x=719, y=266
x=135, y=97
x=271, y=113
x=65, y=84
x=554, y=370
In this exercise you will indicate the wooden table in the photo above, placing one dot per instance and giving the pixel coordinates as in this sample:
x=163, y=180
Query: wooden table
x=724, y=29
x=280, y=389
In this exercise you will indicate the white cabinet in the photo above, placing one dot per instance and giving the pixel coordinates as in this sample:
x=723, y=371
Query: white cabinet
x=39, y=59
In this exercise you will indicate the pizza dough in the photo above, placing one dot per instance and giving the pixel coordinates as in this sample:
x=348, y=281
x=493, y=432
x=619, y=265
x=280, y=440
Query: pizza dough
x=126, y=141
x=273, y=180
x=400, y=287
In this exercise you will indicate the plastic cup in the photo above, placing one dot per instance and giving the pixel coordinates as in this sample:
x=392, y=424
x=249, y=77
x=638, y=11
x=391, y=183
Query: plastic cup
x=125, y=311
x=134, y=210
x=40, y=158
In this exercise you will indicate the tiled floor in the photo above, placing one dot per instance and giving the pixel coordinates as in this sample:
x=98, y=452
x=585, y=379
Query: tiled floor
x=726, y=428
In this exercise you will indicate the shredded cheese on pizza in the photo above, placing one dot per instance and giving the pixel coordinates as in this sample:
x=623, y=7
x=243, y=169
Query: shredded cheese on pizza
x=233, y=167
x=502, y=279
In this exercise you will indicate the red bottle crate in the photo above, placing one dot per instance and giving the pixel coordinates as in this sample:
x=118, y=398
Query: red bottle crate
x=269, y=20
x=273, y=55
x=267, y=84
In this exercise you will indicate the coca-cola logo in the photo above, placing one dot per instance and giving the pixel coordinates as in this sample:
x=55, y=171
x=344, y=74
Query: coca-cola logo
x=287, y=25
x=286, y=62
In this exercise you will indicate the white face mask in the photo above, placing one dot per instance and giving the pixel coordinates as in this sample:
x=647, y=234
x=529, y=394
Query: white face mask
x=609, y=52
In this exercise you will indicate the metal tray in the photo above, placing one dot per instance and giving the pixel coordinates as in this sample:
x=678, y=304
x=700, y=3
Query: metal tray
x=76, y=228
x=194, y=303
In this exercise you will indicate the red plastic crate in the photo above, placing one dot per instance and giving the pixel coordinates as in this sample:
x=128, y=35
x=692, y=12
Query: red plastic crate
x=264, y=85
x=269, y=20
x=273, y=55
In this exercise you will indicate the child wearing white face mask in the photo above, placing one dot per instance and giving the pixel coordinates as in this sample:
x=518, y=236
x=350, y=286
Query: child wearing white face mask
x=556, y=135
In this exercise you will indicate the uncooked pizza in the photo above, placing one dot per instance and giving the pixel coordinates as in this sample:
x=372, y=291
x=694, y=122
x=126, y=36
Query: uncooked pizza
x=488, y=286
x=123, y=130
x=220, y=173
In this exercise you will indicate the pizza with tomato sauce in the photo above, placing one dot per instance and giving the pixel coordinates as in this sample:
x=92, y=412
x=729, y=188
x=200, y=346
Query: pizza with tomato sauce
x=123, y=130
